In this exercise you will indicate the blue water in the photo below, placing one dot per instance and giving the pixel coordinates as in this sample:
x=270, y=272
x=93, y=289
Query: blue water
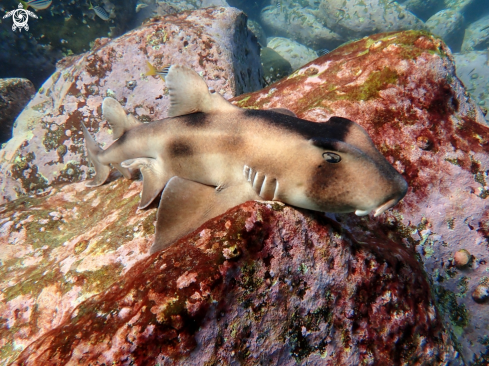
x=68, y=27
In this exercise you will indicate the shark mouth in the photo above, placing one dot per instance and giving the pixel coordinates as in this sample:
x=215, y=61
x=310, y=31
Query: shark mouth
x=379, y=209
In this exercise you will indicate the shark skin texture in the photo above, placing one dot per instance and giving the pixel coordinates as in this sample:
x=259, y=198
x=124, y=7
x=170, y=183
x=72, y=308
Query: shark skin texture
x=204, y=162
x=266, y=283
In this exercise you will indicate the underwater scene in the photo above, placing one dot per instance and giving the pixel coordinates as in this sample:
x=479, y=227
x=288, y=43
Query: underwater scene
x=240, y=182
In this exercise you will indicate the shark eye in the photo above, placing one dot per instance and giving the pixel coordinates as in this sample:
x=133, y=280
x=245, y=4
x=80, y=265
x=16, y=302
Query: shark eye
x=331, y=157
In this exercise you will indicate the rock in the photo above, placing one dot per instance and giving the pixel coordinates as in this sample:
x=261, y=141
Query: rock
x=300, y=24
x=477, y=36
x=400, y=87
x=258, y=31
x=481, y=293
x=462, y=258
x=47, y=147
x=15, y=93
x=65, y=28
x=294, y=52
x=275, y=67
x=423, y=8
x=449, y=25
x=298, y=291
x=459, y=5
x=375, y=16
x=473, y=70
x=168, y=7
x=265, y=281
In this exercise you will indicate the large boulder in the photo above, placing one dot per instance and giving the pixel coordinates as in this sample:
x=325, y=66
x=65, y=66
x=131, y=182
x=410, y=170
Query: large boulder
x=357, y=18
x=261, y=283
x=294, y=52
x=477, y=36
x=266, y=283
x=449, y=25
x=289, y=19
x=403, y=89
x=15, y=93
x=47, y=143
x=473, y=70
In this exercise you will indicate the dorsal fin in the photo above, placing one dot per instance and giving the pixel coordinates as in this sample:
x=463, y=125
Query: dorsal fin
x=119, y=121
x=189, y=94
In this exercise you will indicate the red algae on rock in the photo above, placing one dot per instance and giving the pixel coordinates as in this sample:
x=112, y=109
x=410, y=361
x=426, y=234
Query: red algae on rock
x=403, y=89
x=300, y=291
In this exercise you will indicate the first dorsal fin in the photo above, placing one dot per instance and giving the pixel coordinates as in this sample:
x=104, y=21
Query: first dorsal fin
x=189, y=94
x=119, y=121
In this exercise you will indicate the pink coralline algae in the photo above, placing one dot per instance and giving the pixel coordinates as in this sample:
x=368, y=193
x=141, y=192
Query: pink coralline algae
x=403, y=89
x=301, y=290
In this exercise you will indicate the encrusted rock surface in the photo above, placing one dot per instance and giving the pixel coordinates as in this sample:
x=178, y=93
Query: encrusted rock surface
x=343, y=290
x=15, y=93
x=263, y=283
x=47, y=146
x=402, y=88
x=59, y=249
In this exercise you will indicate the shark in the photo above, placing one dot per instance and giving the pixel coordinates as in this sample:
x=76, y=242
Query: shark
x=209, y=155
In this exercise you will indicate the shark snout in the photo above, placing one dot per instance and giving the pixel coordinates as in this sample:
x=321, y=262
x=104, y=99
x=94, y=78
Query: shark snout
x=391, y=201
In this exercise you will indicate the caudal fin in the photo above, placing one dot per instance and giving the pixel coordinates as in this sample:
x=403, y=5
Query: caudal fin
x=101, y=171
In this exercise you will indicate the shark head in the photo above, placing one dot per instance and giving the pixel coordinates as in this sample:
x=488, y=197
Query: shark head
x=350, y=174
x=340, y=170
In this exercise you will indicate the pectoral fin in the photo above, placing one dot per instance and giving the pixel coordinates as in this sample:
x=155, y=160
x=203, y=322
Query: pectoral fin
x=185, y=205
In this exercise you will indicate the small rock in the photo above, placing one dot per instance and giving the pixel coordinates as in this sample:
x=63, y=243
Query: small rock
x=481, y=294
x=424, y=143
x=275, y=67
x=231, y=252
x=462, y=258
x=294, y=52
x=15, y=93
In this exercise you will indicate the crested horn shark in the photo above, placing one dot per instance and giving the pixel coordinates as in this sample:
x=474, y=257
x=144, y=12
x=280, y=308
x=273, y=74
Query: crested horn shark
x=208, y=156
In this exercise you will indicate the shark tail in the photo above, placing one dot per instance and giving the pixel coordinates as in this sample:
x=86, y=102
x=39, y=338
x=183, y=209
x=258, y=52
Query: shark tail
x=102, y=171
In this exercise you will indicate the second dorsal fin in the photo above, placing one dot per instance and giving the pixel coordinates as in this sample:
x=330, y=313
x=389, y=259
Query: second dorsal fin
x=189, y=94
x=119, y=121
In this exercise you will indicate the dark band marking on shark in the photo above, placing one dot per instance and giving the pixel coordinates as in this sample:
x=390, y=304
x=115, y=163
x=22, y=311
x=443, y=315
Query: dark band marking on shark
x=210, y=156
x=180, y=149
